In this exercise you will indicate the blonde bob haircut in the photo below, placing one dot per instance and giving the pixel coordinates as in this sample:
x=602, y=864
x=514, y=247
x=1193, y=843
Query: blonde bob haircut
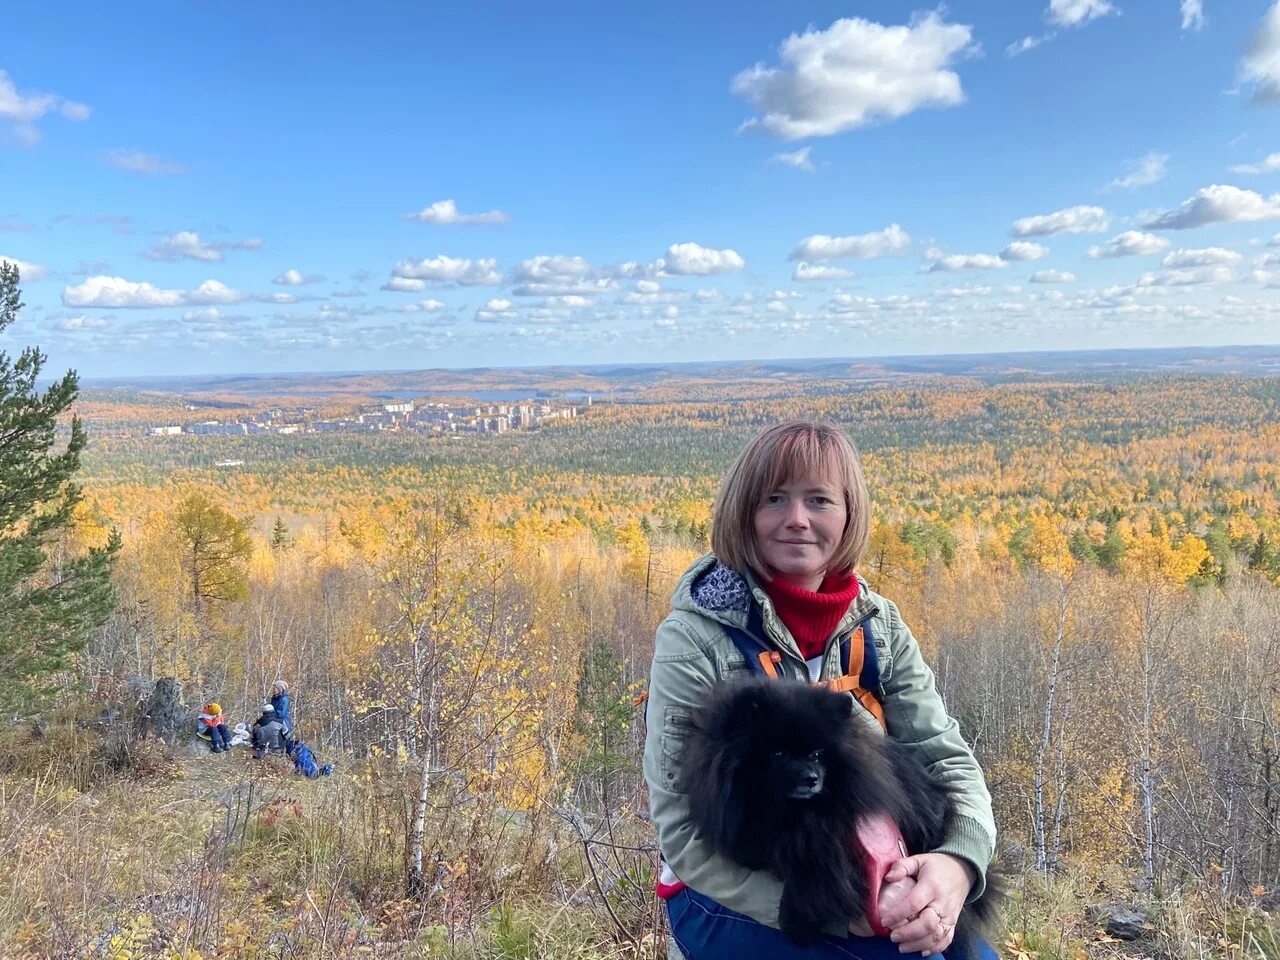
x=778, y=455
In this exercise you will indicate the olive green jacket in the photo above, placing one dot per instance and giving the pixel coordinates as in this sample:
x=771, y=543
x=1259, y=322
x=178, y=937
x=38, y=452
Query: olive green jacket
x=693, y=651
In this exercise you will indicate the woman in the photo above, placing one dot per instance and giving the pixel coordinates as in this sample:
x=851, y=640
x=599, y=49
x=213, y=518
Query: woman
x=791, y=522
x=280, y=701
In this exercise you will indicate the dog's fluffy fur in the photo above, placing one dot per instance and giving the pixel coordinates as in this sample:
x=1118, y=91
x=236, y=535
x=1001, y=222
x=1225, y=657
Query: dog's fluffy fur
x=778, y=773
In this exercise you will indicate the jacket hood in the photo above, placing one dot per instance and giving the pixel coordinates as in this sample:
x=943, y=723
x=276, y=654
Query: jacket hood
x=713, y=590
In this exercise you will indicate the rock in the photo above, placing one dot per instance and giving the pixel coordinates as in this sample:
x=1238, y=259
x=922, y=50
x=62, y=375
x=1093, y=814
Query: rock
x=673, y=952
x=166, y=715
x=1121, y=921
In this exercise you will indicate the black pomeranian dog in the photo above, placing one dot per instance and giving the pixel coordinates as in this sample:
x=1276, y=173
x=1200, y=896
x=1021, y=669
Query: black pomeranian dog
x=779, y=774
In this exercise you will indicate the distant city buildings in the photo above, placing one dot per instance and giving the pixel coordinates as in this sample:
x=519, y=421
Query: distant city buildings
x=437, y=417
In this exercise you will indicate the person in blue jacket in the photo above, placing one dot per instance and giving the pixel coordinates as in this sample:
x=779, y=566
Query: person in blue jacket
x=304, y=761
x=280, y=700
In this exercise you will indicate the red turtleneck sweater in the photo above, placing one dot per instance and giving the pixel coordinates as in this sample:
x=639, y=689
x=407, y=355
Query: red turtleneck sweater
x=811, y=617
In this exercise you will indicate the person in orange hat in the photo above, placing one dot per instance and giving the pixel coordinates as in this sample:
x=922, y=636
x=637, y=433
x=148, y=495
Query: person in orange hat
x=211, y=726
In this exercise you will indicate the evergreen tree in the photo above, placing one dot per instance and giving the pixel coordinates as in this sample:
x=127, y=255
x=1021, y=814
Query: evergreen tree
x=602, y=720
x=216, y=548
x=46, y=610
x=280, y=539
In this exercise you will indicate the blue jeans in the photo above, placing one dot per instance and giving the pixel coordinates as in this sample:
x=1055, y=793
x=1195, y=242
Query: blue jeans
x=704, y=930
x=219, y=738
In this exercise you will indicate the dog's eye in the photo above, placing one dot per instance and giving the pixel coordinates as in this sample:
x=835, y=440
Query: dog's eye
x=779, y=755
x=816, y=756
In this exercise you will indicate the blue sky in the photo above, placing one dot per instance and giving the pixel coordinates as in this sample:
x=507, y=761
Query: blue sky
x=275, y=187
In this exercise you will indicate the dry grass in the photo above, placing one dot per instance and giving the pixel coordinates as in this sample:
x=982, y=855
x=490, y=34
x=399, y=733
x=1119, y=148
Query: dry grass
x=137, y=852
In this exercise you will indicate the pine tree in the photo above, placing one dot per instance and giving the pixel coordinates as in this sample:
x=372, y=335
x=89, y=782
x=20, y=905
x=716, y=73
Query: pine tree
x=47, y=611
x=216, y=548
x=280, y=539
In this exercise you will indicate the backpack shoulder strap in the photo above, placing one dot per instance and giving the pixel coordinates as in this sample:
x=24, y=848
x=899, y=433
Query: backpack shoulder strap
x=759, y=658
x=861, y=671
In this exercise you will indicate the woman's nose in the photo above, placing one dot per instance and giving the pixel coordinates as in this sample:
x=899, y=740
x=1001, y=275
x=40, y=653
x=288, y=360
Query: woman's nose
x=797, y=516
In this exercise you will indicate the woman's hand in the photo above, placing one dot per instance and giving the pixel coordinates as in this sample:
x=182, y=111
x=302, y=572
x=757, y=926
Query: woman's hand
x=924, y=920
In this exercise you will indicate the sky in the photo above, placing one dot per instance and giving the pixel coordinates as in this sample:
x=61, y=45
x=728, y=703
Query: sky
x=269, y=187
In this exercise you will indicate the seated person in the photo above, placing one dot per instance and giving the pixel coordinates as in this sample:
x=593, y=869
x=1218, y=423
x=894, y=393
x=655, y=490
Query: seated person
x=280, y=700
x=268, y=733
x=211, y=726
x=304, y=761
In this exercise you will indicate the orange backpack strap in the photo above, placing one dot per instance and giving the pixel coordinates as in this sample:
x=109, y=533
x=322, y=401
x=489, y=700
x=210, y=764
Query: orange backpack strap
x=851, y=682
x=769, y=660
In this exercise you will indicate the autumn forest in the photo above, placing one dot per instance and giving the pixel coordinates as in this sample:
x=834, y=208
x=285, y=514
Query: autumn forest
x=1090, y=562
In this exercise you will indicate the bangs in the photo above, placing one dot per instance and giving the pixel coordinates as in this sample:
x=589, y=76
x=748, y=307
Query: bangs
x=797, y=455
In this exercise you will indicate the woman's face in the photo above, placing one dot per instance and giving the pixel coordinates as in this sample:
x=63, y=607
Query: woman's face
x=798, y=527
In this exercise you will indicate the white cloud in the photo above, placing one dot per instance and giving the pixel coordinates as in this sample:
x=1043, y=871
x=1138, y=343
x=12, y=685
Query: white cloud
x=103, y=291
x=797, y=158
x=892, y=239
x=817, y=272
x=27, y=271
x=495, y=310
x=1192, y=15
x=1261, y=62
x=430, y=305
x=547, y=269
x=571, y=301
x=1187, y=278
x=404, y=285
x=187, y=245
x=1206, y=257
x=1268, y=164
x=565, y=287
x=215, y=291
x=1219, y=204
x=1076, y=13
x=1019, y=47
x=696, y=260
x=22, y=110
x=708, y=295
x=1081, y=219
x=1052, y=276
x=442, y=269
x=207, y=315
x=648, y=286
x=446, y=212
x=119, y=292
x=1141, y=173
x=964, y=261
x=853, y=73
x=1131, y=243
x=1024, y=250
x=82, y=323
x=135, y=161
x=296, y=278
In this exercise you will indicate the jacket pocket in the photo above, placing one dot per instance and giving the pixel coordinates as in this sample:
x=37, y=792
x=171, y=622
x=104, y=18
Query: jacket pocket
x=677, y=724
